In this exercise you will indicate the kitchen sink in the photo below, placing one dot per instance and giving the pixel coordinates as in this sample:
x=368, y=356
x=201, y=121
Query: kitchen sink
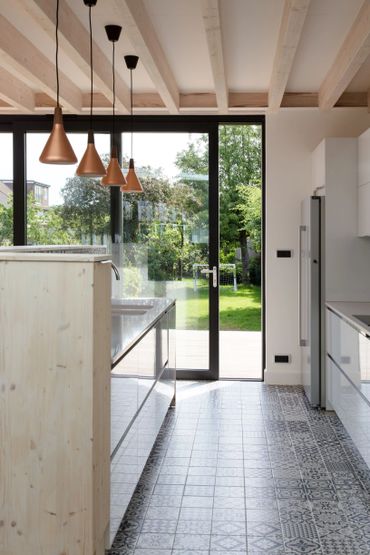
x=364, y=318
x=133, y=309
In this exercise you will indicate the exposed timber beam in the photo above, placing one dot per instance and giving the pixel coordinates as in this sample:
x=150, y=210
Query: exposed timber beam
x=74, y=42
x=352, y=54
x=16, y=93
x=27, y=64
x=212, y=26
x=291, y=27
x=143, y=38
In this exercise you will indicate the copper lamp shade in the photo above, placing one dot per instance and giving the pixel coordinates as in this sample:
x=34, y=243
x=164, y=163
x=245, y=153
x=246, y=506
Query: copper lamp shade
x=133, y=183
x=58, y=149
x=91, y=165
x=114, y=175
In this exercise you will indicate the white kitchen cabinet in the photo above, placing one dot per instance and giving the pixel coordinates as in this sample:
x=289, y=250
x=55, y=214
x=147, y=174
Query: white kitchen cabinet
x=363, y=196
x=348, y=377
x=364, y=158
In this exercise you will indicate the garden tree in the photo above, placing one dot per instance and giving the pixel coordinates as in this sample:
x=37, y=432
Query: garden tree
x=86, y=208
x=46, y=227
x=6, y=222
x=249, y=208
x=240, y=154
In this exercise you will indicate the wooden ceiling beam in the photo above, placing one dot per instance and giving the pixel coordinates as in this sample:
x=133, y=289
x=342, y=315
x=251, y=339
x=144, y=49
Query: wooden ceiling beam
x=352, y=54
x=74, y=42
x=212, y=26
x=16, y=93
x=143, y=38
x=26, y=63
x=294, y=15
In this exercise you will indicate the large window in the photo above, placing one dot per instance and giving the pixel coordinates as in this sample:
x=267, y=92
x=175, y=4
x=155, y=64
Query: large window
x=63, y=208
x=6, y=189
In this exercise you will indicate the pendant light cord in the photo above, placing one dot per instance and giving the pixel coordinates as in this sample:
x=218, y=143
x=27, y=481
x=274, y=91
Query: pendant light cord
x=91, y=70
x=114, y=90
x=57, y=49
x=132, y=114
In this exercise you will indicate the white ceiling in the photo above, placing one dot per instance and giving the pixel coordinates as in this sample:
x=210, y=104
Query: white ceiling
x=249, y=32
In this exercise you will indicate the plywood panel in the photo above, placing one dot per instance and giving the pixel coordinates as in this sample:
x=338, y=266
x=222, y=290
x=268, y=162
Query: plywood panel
x=51, y=441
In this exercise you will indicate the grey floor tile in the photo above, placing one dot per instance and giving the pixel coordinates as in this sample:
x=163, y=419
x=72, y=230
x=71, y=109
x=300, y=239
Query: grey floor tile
x=228, y=528
x=197, y=501
x=192, y=541
x=162, y=513
x=201, y=480
x=228, y=452
x=198, y=513
x=194, y=527
x=155, y=541
x=199, y=491
x=159, y=526
x=228, y=543
x=232, y=514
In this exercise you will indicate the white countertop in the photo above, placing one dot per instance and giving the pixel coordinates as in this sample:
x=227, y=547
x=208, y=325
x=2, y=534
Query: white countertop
x=347, y=311
x=52, y=257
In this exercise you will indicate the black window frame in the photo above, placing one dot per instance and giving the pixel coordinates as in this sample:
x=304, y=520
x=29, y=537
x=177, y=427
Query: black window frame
x=20, y=125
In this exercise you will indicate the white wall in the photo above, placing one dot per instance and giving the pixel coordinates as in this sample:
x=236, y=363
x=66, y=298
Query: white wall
x=291, y=136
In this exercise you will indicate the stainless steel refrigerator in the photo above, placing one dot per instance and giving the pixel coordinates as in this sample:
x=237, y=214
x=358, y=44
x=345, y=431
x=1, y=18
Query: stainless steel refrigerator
x=311, y=298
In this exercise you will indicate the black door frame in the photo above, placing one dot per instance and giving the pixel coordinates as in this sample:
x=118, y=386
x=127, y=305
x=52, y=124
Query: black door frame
x=21, y=125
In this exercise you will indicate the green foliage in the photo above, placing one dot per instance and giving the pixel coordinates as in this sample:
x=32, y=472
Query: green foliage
x=240, y=156
x=249, y=208
x=86, y=207
x=255, y=270
x=46, y=227
x=164, y=253
x=6, y=223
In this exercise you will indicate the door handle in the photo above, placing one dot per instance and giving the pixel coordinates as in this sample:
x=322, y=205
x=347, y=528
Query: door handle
x=302, y=342
x=214, y=274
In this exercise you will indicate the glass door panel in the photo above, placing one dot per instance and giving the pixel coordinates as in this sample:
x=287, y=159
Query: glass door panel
x=240, y=185
x=165, y=235
x=6, y=189
x=62, y=208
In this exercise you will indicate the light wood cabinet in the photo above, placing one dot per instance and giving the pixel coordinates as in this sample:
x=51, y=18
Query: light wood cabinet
x=55, y=322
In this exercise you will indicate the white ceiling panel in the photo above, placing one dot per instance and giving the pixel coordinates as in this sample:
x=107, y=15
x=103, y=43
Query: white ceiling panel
x=250, y=31
x=179, y=28
x=325, y=28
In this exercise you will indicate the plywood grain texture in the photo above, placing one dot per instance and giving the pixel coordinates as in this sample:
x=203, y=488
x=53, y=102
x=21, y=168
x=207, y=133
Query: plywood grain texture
x=54, y=407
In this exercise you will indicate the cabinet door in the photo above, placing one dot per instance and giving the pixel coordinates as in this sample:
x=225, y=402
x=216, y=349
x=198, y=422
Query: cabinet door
x=147, y=364
x=124, y=395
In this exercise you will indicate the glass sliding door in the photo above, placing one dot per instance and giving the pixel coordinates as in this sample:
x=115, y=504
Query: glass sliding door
x=6, y=189
x=164, y=250
x=240, y=185
x=62, y=208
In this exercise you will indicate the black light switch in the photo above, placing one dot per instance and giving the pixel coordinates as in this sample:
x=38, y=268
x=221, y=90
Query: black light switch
x=282, y=358
x=283, y=254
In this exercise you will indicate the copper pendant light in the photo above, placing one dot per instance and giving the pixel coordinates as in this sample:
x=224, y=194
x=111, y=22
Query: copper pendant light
x=58, y=149
x=114, y=175
x=133, y=182
x=91, y=164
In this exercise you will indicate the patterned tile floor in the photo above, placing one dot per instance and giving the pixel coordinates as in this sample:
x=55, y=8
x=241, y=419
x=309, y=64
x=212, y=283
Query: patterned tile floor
x=241, y=467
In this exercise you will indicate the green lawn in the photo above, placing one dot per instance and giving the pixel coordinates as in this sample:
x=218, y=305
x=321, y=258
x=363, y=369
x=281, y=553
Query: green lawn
x=239, y=310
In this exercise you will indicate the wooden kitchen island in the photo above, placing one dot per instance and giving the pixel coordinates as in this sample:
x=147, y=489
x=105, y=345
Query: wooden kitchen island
x=55, y=358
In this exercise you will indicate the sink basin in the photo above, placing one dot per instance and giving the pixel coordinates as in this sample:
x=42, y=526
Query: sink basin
x=130, y=311
x=134, y=309
x=364, y=318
